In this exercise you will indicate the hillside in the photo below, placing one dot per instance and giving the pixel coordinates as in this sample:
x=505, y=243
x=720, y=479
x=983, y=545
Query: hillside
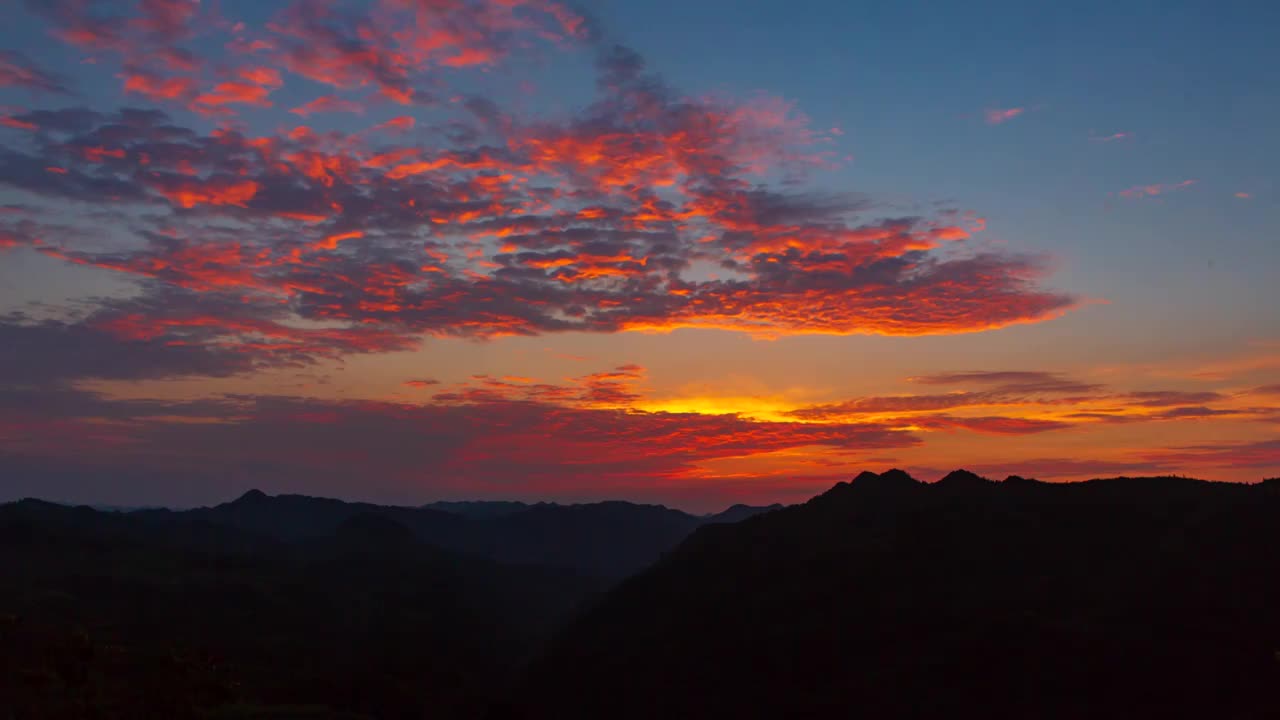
x=890, y=598
x=106, y=615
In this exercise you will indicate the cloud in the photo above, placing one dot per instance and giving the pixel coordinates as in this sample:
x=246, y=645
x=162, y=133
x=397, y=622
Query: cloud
x=1027, y=402
x=419, y=451
x=615, y=388
x=1263, y=454
x=996, y=116
x=169, y=332
x=1004, y=389
x=596, y=223
x=1113, y=137
x=328, y=104
x=1164, y=398
x=391, y=48
x=1141, y=191
x=1009, y=380
x=991, y=425
x=16, y=70
x=50, y=351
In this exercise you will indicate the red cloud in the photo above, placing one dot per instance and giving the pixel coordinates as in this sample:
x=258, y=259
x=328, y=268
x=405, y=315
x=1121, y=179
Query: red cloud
x=159, y=88
x=16, y=123
x=229, y=93
x=613, y=260
x=995, y=116
x=267, y=77
x=188, y=193
x=487, y=225
x=403, y=123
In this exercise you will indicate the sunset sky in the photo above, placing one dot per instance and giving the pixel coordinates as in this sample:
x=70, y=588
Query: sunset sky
x=694, y=253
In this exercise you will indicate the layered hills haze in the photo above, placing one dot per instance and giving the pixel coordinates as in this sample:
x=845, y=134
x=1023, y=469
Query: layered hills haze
x=1130, y=597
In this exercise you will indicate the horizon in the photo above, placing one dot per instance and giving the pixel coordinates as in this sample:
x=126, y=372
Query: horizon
x=693, y=255
x=534, y=502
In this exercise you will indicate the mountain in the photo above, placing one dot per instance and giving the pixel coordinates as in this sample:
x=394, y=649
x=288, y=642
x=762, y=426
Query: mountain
x=110, y=615
x=890, y=598
x=610, y=540
x=479, y=508
x=296, y=606
x=738, y=513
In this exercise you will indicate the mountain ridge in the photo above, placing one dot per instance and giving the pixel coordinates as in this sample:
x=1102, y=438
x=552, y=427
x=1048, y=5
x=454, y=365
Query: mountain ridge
x=1113, y=598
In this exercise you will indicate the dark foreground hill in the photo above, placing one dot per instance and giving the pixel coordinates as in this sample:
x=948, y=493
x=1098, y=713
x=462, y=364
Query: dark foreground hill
x=294, y=606
x=107, y=615
x=887, y=598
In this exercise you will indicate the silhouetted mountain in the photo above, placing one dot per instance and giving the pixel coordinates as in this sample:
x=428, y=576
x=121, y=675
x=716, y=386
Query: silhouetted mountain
x=963, y=480
x=146, y=615
x=740, y=512
x=610, y=539
x=374, y=531
x=889, y=598
x=267, y=602
x=479, y=508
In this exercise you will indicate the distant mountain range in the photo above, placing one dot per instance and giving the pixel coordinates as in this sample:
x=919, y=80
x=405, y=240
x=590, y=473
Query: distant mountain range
x=609, y=540
x=881, y=598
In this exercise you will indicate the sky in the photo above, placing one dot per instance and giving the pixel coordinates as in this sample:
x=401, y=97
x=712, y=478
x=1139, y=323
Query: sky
x=689, y=253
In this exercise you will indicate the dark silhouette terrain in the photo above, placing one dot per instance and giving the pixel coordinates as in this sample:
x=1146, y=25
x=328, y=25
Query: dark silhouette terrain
x=295, y=606
x=889, y=598
x=104, y=615
x=882, y=598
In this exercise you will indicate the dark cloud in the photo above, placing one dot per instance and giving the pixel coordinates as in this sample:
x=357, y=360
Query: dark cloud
x=998, y=388
x=1021, y=380
x=1263, y=454
x=51, y=351
x=16, y=70
x=1166, y=398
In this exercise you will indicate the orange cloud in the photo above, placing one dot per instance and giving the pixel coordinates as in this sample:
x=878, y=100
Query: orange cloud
x=190, y=192
x=233, y=93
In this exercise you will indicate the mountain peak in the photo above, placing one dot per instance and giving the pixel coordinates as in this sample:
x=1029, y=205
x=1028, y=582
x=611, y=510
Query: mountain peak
x=963, y=479
x=894, y=480
x=253, y=496
x=898, y=477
